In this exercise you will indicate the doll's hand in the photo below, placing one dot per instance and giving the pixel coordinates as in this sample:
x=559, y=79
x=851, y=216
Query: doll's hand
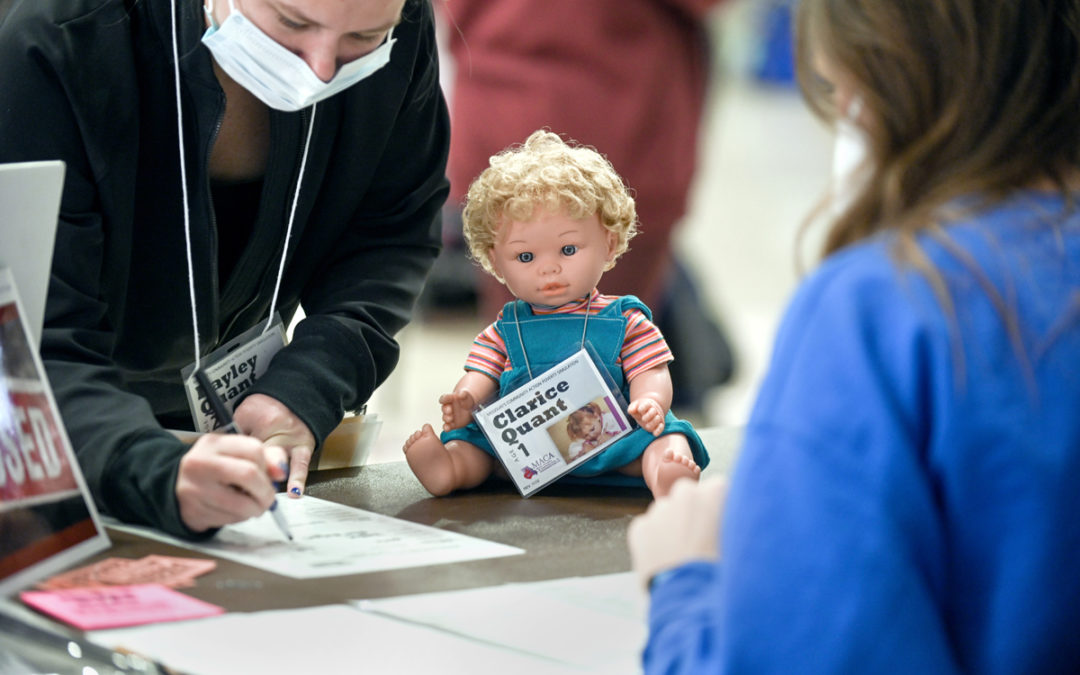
x=649, y=414
x=678, y=528
x=457, y=409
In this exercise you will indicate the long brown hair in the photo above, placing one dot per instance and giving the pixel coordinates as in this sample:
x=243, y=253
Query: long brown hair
x=964, y=98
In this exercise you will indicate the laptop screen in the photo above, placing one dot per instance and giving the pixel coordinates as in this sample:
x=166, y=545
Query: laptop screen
x=47, y=519
x=29, y=204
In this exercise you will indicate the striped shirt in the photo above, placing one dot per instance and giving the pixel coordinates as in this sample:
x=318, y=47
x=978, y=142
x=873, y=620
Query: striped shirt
x=643, y=345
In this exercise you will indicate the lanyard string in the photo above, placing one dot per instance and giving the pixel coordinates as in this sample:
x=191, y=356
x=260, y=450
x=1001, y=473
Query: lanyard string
x=183, y=185
x=521, y=341
x=187, y=210
x=292, y=216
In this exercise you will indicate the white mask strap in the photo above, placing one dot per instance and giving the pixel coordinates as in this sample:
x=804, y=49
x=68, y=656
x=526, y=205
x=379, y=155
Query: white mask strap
x=854, y=108
x=849, y=157
x=208, y=9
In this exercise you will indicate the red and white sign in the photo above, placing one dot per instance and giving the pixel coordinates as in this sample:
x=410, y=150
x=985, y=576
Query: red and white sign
x=32, y=457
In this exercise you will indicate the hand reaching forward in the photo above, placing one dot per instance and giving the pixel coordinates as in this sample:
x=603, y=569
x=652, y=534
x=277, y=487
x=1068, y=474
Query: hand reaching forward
x=457, y=409
x=678, y=528
x=268, y=420
x=649, y=414
x=227, y=478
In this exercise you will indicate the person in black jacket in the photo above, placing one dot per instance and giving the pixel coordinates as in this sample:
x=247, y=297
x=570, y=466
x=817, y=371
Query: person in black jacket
x=226, y=163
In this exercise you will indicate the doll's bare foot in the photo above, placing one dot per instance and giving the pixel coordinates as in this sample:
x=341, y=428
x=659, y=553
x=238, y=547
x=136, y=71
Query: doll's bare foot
x=673, y=466
x=430, y=461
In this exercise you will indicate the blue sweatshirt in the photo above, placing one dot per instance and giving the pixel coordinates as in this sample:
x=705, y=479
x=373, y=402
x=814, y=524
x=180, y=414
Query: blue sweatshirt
x=907, y=498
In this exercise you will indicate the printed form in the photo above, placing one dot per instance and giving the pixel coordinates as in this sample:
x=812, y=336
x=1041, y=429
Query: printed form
x=332, y=540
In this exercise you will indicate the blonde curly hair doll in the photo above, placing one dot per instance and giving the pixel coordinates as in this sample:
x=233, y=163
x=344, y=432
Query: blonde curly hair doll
x=547, y=218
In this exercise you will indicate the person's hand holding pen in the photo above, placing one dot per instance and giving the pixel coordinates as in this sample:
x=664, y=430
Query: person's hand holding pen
x=225, y=479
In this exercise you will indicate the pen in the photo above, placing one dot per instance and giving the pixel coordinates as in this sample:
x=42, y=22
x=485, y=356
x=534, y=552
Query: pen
x=229, y=426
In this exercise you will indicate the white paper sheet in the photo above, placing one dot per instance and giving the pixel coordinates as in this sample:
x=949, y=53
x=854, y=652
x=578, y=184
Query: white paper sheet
x=329, y=639
x=331, y=539
x=596, y=624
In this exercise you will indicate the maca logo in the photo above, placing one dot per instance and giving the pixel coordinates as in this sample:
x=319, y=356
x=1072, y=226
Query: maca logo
x=546, y=462
x=528, y=471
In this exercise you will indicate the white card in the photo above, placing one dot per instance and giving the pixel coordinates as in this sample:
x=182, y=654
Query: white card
x=233, y=368
x=532, y=429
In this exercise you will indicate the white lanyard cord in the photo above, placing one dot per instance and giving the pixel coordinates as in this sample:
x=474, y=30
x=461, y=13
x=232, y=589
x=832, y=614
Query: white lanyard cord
x=584, y=329
x=292, y=215
x=184, y=187
x=187, y=211
x=585, y=326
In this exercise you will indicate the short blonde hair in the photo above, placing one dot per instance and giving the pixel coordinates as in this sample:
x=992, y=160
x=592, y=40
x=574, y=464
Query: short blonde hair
x=576, y=421
x=546, y=173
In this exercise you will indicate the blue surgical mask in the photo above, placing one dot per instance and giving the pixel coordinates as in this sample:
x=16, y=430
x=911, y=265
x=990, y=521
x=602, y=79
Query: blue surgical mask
x=276, y=76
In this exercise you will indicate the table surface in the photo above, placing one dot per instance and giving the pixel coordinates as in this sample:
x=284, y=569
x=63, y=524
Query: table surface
x=565, y=530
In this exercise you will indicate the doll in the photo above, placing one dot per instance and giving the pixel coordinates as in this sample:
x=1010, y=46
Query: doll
x=548, y=218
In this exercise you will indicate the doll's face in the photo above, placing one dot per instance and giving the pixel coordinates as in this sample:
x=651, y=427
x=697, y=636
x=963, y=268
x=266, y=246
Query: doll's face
x=552, y=259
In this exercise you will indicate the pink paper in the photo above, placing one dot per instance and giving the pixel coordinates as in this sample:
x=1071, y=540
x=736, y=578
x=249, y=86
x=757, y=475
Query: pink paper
x=170, y=571
x=158, y=569
x=118, y=606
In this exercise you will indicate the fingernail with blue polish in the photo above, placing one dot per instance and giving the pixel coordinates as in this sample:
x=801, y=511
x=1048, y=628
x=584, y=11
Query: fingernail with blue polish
x=295, y=491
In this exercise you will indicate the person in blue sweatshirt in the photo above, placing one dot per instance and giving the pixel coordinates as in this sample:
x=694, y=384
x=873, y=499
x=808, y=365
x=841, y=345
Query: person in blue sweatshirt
x=907, y=495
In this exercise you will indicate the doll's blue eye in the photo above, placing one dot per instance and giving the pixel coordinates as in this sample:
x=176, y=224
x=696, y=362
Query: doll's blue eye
x=569, y=249
x=525, y=257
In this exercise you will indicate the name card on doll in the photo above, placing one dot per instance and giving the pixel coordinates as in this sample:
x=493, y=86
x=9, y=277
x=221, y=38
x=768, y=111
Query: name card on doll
x=554, y=422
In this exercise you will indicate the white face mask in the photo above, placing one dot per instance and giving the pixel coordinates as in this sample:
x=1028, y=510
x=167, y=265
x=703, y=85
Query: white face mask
x=279, y=78
x=850, y=153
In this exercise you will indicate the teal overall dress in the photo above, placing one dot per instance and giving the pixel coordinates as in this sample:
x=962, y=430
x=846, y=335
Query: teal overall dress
x=548, y=339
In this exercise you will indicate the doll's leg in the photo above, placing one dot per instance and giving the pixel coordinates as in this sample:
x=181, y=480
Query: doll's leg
x=442, y=469
x=666, y=460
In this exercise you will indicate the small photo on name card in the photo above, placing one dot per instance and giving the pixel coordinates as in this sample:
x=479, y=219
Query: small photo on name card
x=591, y=427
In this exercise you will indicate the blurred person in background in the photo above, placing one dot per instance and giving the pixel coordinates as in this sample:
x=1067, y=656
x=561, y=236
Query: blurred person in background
x=627, y=77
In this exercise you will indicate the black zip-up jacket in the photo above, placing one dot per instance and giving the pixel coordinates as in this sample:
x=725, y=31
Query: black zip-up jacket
x=91, y=82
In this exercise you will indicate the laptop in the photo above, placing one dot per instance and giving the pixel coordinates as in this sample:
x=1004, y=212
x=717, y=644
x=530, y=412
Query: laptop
x=48, y=521
x=29, y=206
